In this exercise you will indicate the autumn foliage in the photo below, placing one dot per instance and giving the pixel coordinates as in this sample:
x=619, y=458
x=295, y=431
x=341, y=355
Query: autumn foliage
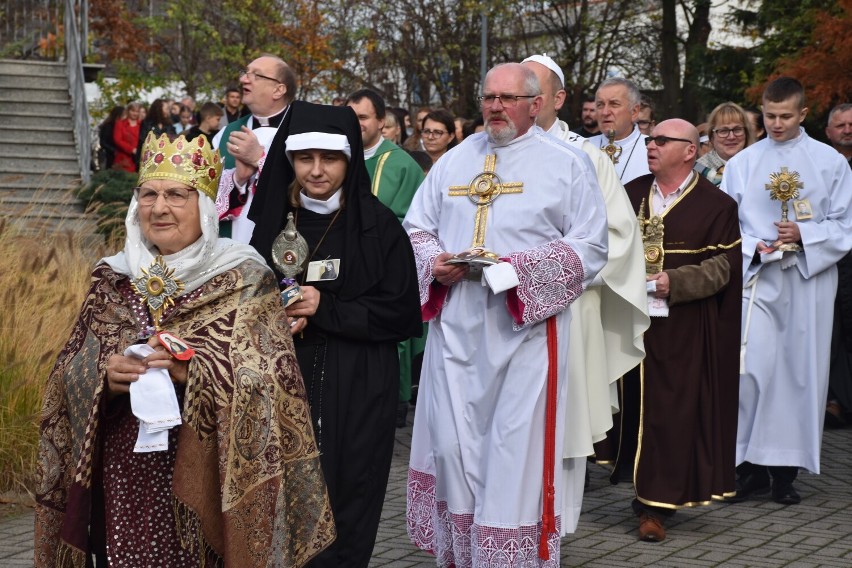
x=824, y=66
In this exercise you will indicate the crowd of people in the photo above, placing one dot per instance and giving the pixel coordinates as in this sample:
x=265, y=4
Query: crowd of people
x=642, y=293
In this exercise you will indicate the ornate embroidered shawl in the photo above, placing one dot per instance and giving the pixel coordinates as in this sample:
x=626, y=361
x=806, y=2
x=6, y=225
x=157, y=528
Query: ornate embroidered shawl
x=247, y=483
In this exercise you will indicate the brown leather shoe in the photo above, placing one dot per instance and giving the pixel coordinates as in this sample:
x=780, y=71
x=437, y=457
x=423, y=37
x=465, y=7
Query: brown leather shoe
x=651, y=529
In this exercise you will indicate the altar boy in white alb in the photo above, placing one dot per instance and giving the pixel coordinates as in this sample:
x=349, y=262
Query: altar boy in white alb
x=790, y=280
x=484, y=486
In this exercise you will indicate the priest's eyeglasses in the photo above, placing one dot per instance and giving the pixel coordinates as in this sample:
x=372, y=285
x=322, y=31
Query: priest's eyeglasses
x=175, y=197
x=663, y=140
x=507, y=101
x=737, y=131
x=252, y=75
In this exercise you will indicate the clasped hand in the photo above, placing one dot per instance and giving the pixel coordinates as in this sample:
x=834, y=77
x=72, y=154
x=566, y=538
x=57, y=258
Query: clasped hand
x=244, y=146
x=447, y=274
x=300, y=311
x=788, y=232
x=123, y=370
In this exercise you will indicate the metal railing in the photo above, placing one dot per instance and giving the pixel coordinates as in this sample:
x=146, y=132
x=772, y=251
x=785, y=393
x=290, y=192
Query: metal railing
x=77, y=85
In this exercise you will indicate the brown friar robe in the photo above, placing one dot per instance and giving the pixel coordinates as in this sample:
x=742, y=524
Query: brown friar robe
x=680, y=405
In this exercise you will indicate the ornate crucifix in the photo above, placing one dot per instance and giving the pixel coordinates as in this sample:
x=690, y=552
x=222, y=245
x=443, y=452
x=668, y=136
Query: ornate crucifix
x=482, y=191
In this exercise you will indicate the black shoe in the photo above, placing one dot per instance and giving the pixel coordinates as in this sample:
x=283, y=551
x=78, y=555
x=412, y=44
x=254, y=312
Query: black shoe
x=785, y=494
x=750, y=484
x=834, y=417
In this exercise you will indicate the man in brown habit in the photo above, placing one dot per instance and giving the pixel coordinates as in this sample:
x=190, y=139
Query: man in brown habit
x=680, y=405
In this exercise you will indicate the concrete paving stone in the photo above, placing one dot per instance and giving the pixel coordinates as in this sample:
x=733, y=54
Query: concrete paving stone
x=683, y=563
x=787, y=554
x=818, y=541
x=392, y=553
x=719, y=556
x=791, y=538
x=692, y=552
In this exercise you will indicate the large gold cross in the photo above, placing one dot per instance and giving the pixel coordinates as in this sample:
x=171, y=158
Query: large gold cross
x=482, y=191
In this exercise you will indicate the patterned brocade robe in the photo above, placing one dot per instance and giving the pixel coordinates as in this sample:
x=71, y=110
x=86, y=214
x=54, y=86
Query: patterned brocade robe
x=247, y=485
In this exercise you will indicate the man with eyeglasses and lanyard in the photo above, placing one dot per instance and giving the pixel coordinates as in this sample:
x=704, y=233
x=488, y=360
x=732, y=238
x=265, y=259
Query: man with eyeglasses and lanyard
x=485, y=473
x=618, y=102
x=679, y=409
x=269, y=86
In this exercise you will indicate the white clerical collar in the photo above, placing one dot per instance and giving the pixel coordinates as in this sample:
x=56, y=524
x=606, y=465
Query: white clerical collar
x=370, y=152
x=330, y=205
x=272, y=121
x=633, y=134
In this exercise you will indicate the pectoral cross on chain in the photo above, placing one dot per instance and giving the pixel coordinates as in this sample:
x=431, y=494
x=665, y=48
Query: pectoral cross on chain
x=482, y=191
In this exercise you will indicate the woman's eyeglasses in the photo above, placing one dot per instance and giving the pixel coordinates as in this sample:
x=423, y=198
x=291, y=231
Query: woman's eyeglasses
x=175, y=197
x=433, y=133
x=725, y=132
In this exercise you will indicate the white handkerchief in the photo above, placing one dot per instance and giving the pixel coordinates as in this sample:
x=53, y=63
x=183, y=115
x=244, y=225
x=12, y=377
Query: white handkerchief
x=771, y=256
x=155, y=442
x=501, y=277
x=154, y=402
x=657, y=307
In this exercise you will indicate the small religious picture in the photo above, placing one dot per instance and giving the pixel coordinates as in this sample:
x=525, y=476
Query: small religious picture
x=803, y=210
x=321, y=270
x=176, y=346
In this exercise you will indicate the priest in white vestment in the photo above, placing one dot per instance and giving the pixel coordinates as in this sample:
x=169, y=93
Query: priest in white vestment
x=788, y=300
x=477, y=473
x=617, y=102
x=608, y=319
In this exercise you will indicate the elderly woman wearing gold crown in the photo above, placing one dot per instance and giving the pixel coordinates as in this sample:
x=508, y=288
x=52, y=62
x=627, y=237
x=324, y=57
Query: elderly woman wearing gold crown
x=175, y=429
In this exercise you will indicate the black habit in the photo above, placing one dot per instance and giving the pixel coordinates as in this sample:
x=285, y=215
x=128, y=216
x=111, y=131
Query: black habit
x=347, y=353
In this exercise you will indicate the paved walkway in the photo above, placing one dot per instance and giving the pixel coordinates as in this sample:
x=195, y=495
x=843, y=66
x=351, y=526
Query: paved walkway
x=761, y=534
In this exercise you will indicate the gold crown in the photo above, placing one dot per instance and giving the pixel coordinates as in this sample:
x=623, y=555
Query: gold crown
x=193, y=162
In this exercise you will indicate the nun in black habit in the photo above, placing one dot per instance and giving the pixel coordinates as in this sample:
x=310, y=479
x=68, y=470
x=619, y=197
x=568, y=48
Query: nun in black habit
x=346, y=328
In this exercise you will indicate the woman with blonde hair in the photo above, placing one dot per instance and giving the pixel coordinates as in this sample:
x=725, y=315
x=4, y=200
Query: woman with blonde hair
x=729, y=132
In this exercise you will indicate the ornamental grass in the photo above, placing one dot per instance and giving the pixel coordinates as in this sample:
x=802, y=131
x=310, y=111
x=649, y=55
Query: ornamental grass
x=43, y=280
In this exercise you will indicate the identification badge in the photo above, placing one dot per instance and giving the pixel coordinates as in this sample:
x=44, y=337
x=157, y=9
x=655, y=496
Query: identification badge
x=176, y=346
x=803, y=209
x=322, y=270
